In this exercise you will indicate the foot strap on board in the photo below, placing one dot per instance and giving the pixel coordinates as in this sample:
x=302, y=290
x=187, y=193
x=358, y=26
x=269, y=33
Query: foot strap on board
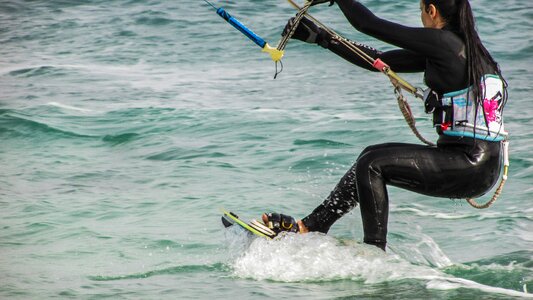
x=280, y=222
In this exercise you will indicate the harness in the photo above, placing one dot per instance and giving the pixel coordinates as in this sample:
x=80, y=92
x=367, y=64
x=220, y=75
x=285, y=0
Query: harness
x=460, y=116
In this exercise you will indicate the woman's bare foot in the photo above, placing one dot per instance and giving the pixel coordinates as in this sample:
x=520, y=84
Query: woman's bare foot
x=264, y=217
x=302, y=227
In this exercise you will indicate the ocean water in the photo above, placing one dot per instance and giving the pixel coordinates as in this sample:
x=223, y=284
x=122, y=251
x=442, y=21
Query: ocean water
x=127, y=124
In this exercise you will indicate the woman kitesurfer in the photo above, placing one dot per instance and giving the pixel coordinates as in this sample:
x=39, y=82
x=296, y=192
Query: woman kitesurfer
x=467, y=95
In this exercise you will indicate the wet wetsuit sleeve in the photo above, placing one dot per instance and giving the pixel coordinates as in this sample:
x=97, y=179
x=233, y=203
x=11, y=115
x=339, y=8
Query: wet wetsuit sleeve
x=423, y=41
x=401, y=61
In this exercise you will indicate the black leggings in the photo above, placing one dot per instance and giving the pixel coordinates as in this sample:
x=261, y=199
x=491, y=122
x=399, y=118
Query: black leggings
x=455, y=168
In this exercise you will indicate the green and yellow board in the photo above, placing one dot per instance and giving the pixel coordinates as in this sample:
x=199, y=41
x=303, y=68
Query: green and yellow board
x=254, y=227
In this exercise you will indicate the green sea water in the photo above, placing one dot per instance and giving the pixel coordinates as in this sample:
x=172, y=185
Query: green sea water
x=125, y=125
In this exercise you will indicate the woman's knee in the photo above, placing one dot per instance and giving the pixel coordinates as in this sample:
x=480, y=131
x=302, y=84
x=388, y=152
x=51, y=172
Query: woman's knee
x=365, y=159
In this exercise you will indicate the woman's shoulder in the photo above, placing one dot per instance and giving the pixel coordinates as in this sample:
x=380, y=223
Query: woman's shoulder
x=452, y=42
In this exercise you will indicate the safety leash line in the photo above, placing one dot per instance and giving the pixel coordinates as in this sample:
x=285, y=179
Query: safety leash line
x=408, y=115
x=498, y=191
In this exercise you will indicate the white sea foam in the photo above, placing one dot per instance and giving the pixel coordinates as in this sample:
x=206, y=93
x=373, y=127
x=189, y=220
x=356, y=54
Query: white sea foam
x=317, y=257
x=437, y=215
x=442, y=283
x=64, y=106
x=425, y=251
x=485, y=215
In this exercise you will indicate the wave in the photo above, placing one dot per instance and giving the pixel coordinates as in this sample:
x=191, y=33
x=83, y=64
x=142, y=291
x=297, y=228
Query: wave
x=57, y=120
x=166, y=271
x=153, y=21
x=456, y=215
x=26, y=71
x=152, y=18
x=122, y=138
x=184, y=154
x=510, y=271
x=461, y=284
x=64, y=106
x=320, y=143
x=39, y=71
x=18, y=125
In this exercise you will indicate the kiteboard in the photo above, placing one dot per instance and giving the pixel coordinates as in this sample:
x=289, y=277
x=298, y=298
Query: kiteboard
x=254, y=227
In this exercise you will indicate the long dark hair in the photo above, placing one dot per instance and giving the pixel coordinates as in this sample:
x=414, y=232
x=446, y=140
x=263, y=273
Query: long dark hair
x=458, y=15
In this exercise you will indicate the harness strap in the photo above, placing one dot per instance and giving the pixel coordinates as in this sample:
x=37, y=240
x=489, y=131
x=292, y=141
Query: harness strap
x=498, y=191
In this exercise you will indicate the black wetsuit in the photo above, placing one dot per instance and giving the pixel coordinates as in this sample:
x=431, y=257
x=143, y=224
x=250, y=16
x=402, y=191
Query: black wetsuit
x=458, y=167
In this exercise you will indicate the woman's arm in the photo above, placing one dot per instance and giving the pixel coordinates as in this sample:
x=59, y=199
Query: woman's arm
x=423, y=41
x=402, y=61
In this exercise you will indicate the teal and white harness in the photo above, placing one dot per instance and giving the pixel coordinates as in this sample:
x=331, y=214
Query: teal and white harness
x=462, y=117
